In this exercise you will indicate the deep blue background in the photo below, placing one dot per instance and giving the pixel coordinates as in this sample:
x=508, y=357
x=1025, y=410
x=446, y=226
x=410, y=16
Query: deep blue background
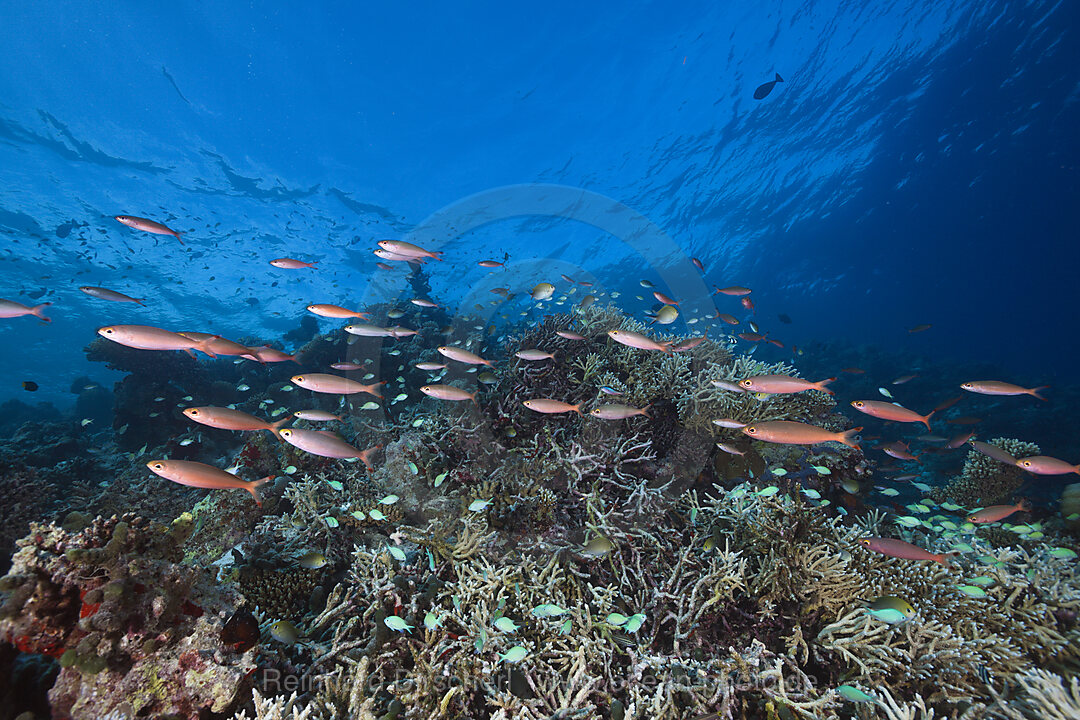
x=918, y=164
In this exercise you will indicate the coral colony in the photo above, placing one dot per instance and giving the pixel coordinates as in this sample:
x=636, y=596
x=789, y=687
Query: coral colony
x=497, y=559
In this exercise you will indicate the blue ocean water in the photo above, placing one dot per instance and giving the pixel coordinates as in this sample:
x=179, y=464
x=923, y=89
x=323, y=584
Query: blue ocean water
x=917, y=164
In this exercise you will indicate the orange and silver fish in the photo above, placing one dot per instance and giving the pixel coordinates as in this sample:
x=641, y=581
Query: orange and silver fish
x=998, y=512
x=292, y=264
x=729, y=319
x=111, y=295
x=638, y=341
x=569, y=335
x=661, y=297
x=996, y=387
x=787, y=432
x=462, y=355
x=903, y=550
x=199, y=475
x=229, y=419
x=783, y=384
x=734, y=290
x=12, y=309
x=448, y=392
x=888, y=411
x=335, y=385
x=316, y=415
x=335, y=311
x=400, y=247
x=320, y=442
x=489, y=264
x=615, y=411
x=267, y=354
x=992, y=451
x=534, y=354
x=550, y=407
x=145, y=337
x=146, y=225
x=1044, y=465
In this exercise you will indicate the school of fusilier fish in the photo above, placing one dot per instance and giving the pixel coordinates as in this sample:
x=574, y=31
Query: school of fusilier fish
x=331, y=445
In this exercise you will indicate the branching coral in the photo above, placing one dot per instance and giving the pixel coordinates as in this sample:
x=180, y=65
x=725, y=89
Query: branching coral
x=986, y=481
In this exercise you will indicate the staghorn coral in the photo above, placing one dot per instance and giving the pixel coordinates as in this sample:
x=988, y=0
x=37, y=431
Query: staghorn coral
x=985, y=481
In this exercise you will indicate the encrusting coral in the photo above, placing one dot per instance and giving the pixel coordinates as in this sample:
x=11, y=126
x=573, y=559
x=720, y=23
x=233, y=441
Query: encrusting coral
x=986, y=481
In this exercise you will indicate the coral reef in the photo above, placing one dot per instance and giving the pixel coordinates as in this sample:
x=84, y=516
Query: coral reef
x=985, y=481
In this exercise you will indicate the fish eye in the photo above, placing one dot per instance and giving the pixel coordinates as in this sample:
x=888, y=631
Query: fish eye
x=745, y=383
x=751, y=429
x=193, y=411
x=157, y=466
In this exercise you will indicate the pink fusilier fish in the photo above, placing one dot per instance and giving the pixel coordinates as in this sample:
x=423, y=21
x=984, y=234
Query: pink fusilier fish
x=788, y=432
x=661, y=297
x=783, y=384
x=730, y=449
x=690, y=344
x=903, y=550
x=638, y=341
x=734, y=291
x=292, y=264
x=899, y=450
x=462, y=355
x=430, y=366
x=145, y=337
x=998, y=512
x=400, y=247
x=615, y=411
x=316, y=415
x=396, y=331
x=424, y=303
x=218, y=345
x=229, y=419
x=995, y=387
x=394, y=257
x=147, y=225
x=887, y=411
x=992, y=451
x=366, y=330
x=335, y=385
x=569, y=335
x=335, y=311
x=347, y=366
x=534, y=355
x=111, y=295
x=12, y=309
x=199, y=475
x=551, y=407
x=489, y=264
x=267, y=354
x=320, y=442
x=1044, y=465
x=729, y=423
x=448, y=392
x=960, y=440
x=383, y=266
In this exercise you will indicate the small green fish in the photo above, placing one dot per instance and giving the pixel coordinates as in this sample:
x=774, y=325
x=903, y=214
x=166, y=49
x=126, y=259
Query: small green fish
x=417, y=422
x=331, y=521
x=779, y=472
x=389, y=500
x=616, y=619
x=566, y=627
x=909, y=521
x=768, y=492
x=1064, y=553
x=287, y=388
x=284, y=632
x=397, y=553
x=243, y=388
x=396, y=623
x=370, y=405
x=822, y=470
x=890, y=492
x=412, y=468
x=439, y=479
x=514, y=654
x=547, y=610
x=312, y=560
x=850, y=486
x=811, y=493
x=359, y=514
x=400, y=397
x=376, y=514
x=982, y=581
x=431, y=622
x=599, y=546
x=505, y=624
x=634, y=622
x=369, y=376
x=1037, y=535
x=481, y=640
x=854, y=694
x=949, y=525
x=951, y=507
x=972, y=591
x=479, y=505
x=890, y=609
x=335, y=484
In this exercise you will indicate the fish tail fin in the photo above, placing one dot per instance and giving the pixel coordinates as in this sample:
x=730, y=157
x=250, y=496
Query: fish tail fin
x=177, y=236
x=666, y=347
x=778, y=78
x=141, y=302
x=1024, y=505
x=926, y=420
x=253, y=488
x=275, y=427
x=436, y=255
x=475, y=402
x=38, y=311
x=374, y=388
x=204, y=346
x=851, y=437
x=645, y=411
x=1034, y=392
x=821, y=385
x=577, y=409
x=943, y=559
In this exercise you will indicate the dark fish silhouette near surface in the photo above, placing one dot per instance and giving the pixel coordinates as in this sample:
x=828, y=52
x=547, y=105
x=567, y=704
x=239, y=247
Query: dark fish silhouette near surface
x=764, y=89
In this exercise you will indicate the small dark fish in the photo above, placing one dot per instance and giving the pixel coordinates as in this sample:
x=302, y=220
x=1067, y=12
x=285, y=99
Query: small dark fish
x=786, y=319
x=945, y=405
x=966, y=420
x=29, y=386
x=697, y=264
x=920, y=328
x=765, y=88
x=853, y=370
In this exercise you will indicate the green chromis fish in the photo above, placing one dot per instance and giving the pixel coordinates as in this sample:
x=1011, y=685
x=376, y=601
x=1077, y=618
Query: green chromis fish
x=284, y=632
x=312, y=560
x=890, y=609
